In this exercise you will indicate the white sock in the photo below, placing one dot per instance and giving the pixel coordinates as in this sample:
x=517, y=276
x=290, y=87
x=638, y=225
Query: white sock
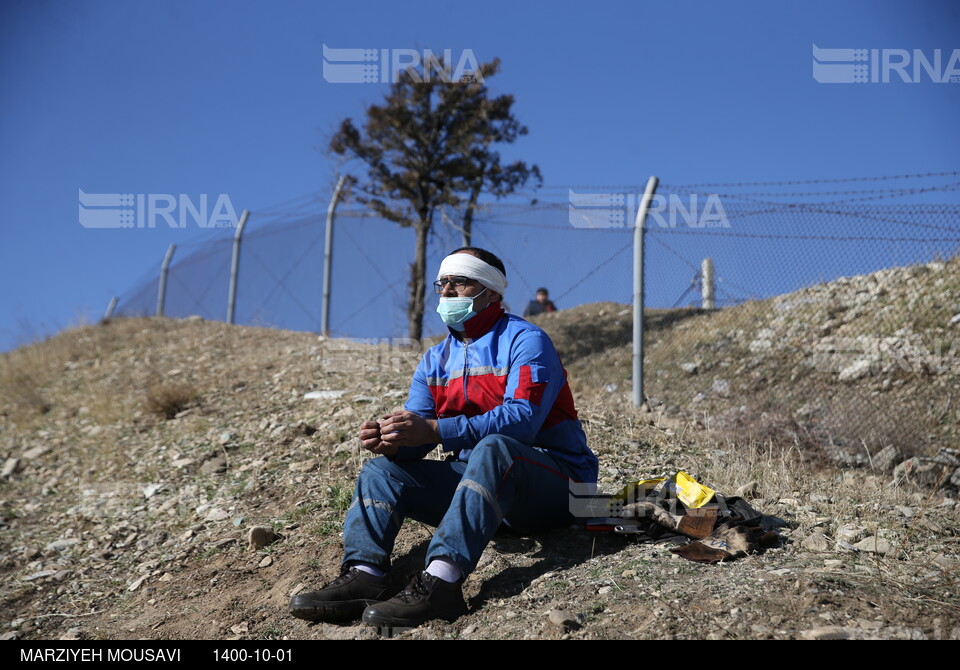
x=446, y=570
x=369, y=569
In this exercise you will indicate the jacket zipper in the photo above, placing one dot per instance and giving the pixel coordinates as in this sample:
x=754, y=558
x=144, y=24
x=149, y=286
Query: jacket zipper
x=466, y=346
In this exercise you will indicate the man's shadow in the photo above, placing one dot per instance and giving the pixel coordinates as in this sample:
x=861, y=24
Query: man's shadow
x=558, y=549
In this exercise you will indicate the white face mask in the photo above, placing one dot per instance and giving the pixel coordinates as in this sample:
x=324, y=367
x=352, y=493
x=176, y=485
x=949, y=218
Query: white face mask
x=456, y=311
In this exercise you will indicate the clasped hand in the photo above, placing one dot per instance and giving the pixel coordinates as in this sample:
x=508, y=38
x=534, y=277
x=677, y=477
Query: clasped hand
x=395, y=430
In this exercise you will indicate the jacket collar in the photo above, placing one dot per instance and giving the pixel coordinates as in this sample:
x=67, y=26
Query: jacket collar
x=479, y=324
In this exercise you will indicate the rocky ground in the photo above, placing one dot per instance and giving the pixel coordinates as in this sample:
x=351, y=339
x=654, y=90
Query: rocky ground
x=169, y=479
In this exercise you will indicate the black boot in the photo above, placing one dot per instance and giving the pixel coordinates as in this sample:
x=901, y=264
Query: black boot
x=343, y=599
x=426, y=597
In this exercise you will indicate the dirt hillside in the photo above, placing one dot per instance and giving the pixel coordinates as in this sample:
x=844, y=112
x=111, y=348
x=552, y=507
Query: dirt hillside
x=138, y=455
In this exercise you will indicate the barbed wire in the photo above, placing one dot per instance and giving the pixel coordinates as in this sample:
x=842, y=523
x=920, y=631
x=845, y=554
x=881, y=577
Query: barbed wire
x=918, y=175
x=898, y=193
x=770, y=236
x=804, y=194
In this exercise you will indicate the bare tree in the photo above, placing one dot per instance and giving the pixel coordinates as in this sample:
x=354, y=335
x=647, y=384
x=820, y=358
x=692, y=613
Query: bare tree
x=429, y=144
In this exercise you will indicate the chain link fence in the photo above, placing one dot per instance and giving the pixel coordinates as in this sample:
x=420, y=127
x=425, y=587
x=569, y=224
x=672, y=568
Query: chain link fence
x=849, y=359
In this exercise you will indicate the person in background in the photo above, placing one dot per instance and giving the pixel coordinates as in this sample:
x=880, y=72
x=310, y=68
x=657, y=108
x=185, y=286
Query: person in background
x=541, y=304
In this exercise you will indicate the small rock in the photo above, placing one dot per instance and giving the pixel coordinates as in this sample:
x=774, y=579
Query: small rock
x=240, y=628
x=887, y=458
x=345, y=447
x=225, y=437
x=181, y=463
x=214, y=465
x=39, y=575
x=833, y=564
x=10, y=635
x=944, y=562
x=918, y=471
x=955, y=320
x=347, y=411
x=563, y=619
x=850, y=533
x=266, y=562
x=10, y=467
x=62, y=545
x=71, y=635
x=151, y=490
x=35, y=452
x=304, y=466
x=905, y=511
x=689, y=368
x=825, y=633
x=323, y=395
x=874, y=545
x=858, y=370
x=815, y=542
x=166, y=577
x=137, y=583
x=216, y=514
x=604, y=590
x=260, y=536
x=365, y=398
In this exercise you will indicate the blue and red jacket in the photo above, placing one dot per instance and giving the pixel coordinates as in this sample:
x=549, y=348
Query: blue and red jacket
x=506, y=379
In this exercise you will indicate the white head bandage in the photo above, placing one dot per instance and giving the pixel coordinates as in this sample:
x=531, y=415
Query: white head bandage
x=467, y=265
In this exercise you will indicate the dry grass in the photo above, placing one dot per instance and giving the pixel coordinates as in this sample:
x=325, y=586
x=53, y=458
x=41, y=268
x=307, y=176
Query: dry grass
x=27, y=373
x=166, y=400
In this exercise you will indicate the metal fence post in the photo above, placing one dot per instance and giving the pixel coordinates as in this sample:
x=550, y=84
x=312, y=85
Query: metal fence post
x=707, y=273
x=235, y=267
x=112, y=306
x=328, y=259
x=638, y=232
x=162, y=289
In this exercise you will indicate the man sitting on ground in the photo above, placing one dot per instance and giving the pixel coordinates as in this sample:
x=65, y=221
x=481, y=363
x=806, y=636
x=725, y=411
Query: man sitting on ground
x=495, y=395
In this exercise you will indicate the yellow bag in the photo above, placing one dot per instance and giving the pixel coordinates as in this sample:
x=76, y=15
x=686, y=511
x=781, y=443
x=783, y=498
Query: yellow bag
x=688, y=491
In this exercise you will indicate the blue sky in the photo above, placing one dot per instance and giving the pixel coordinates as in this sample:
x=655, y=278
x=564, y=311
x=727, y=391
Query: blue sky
x=228, y=97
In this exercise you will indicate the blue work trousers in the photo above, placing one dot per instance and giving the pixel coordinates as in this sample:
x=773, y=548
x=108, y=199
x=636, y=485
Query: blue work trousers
x=504, y=481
